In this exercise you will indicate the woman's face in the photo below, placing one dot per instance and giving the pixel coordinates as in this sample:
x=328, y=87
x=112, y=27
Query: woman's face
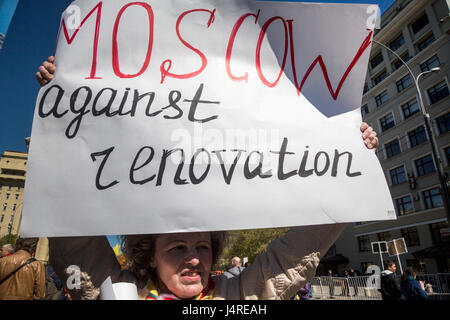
x=183, y=262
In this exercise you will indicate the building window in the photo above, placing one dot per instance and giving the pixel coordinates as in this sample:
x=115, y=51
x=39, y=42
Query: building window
x=425, y=165
x=398, y=175
x=447, y=155
x=381, y=98
x=4, y=206
x=380, y=77
x=438, y=92
x=392, y=148
x=13, y=172
x=14, y=207
x=417, y=136
x=384, y=236
x=387, y=122
x=375, y=61
x=398, y=63
x=426, y=42
x=432, y=198
x=410, y=108
x=3, y=218
x=411, y=236
x=404, y=205
x=17, y=197
x=431, y=63
x=443, y=123
x=421, y=22
x=403, y=83
x=7, y=196
x=397, y=43
x=440, y=232
x=364, y=243
x=364, y=110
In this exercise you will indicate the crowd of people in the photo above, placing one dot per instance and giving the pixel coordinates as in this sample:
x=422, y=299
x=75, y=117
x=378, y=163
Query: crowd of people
x=346, y=274
x=37, y=281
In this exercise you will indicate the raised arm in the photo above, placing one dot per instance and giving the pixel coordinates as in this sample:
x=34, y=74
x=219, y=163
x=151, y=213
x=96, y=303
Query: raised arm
x=284, y=268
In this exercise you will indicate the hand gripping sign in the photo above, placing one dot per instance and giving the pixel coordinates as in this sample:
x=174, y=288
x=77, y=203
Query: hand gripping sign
x=171, y=116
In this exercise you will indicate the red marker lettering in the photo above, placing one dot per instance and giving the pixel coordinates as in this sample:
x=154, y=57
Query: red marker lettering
x=69, y=39
x=167, y=64
x=115, y=53
x=231, y=43
x=258, y=51
x=319, y=60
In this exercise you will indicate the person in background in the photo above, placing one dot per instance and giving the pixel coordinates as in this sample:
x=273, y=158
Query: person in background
x=389, y=287
x=331, y=282
x=236, y=268
x=7, y=250
x=353, y=274
x=345, y=284
x=411, y=288
x=21, y=276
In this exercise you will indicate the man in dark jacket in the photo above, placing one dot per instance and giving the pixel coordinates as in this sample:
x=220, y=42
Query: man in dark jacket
x=352, y=273
x=389, y=288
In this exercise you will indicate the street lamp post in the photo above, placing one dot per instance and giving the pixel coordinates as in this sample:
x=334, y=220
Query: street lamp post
x=10, y=228
x=11, y=222
x=426, y=118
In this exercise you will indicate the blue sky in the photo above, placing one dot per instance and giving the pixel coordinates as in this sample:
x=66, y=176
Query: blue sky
x=30, y=40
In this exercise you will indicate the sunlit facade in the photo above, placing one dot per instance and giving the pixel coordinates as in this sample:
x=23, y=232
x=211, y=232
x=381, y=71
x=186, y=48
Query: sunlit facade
x=417, y=31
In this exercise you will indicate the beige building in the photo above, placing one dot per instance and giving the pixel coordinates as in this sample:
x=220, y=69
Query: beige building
x=417, y=31
x=13, y=168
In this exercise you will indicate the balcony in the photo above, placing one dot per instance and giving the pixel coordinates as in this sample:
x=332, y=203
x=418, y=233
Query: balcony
x=12, y=174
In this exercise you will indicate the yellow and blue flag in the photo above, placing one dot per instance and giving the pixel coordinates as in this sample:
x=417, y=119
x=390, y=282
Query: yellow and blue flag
x=114, y=242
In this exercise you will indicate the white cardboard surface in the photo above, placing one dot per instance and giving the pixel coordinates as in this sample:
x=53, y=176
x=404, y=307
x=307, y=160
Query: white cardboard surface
x=70, y=161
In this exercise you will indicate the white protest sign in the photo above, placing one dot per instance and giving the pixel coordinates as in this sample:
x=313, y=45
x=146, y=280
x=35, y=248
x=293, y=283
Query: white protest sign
x=172, y=116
